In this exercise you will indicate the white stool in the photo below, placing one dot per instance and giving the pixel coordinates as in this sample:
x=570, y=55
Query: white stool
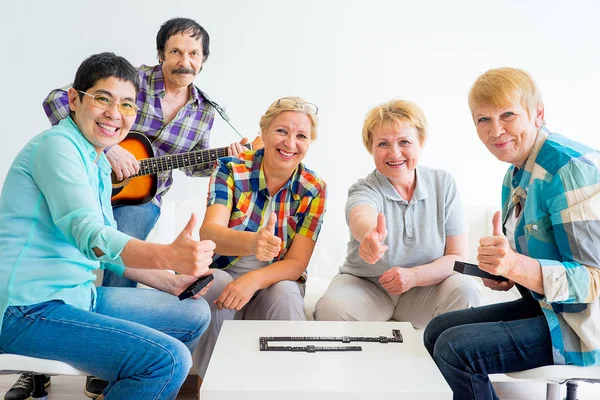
x=16, y=364
x=555, y=375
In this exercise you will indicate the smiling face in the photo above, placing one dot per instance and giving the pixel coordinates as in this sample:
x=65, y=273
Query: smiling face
x=286, y=141
x=103, y=128
x=181, y=60
x=508, y=132
x=396, y=150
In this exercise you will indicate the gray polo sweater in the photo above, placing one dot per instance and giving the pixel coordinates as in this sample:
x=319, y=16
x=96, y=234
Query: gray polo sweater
x=417, y=230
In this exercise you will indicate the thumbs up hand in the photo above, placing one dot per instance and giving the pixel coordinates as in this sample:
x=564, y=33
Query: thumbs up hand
x=371, y=248
x=494, y=253
x=497, y=224
x=267, y=246
x=188, y=255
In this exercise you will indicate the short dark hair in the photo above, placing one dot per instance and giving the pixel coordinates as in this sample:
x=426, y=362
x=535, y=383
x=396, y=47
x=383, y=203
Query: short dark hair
x=181, y=25
x=102, y=66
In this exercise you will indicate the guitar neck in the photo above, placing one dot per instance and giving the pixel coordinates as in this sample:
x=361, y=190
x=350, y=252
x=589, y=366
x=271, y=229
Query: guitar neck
x=156, y=165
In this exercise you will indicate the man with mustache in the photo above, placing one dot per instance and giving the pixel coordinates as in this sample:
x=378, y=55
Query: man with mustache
x=175, y=116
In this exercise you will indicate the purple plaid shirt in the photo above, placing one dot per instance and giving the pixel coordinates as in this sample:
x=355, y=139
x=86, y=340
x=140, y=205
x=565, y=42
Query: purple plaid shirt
x=188, y=131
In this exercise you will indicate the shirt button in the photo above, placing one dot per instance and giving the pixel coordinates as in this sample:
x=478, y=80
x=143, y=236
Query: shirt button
x=535, y=228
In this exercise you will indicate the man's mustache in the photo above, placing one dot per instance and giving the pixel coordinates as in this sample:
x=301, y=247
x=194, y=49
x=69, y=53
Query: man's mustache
x=183, y=70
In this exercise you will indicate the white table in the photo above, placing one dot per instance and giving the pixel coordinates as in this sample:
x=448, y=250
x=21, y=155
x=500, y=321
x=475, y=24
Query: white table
x=239, y=370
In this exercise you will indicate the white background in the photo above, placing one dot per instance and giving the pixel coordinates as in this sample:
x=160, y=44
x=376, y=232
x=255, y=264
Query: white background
x=345, y=56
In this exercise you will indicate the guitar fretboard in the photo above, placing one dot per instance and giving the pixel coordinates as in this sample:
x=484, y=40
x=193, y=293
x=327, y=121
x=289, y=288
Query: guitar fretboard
x=169, y=162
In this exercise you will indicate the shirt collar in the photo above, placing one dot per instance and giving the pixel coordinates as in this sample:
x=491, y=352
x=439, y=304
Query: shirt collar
x=156, y=86
x=522, y=179
x=391, y=193
x=88, y=148
x=258, y=167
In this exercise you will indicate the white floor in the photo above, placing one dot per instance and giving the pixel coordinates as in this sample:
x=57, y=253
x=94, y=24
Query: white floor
x=71, y=388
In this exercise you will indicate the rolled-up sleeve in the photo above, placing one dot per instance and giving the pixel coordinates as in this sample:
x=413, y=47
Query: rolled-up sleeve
x=221, y=186
x=574, y=206
x=61, y=174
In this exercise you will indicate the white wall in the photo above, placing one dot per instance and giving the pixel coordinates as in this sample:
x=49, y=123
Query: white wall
x=345, y=56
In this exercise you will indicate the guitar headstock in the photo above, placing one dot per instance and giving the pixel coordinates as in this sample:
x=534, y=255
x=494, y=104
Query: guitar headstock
x=256, y=144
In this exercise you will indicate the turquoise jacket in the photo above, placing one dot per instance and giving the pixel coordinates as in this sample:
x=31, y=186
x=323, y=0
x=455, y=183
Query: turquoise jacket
x=54, y=210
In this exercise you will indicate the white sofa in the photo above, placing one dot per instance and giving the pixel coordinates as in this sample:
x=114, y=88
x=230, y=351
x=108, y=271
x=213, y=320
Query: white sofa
x=330, y=250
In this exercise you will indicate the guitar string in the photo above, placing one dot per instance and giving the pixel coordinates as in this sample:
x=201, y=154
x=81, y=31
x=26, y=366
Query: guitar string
x=168, y=162
x=155, y=165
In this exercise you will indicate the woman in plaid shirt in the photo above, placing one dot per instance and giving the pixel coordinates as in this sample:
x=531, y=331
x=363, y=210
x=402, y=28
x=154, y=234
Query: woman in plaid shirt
x=265, y=211
x=545, y=241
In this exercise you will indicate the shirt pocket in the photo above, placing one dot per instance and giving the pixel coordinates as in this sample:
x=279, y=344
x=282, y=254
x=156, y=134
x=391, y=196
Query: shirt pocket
x=540, y=230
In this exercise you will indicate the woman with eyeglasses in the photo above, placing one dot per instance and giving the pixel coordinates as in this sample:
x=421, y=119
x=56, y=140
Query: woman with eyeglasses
x=265, y=211
x=57, y=228
x=545, y=240
x=406, y=231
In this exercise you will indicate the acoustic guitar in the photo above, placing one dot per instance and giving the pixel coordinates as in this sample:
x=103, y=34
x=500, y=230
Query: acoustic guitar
x=141, y=188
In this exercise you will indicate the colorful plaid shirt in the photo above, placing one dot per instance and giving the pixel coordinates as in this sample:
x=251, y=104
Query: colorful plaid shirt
x=188, y=131
x=240, y=185
x=559, y=190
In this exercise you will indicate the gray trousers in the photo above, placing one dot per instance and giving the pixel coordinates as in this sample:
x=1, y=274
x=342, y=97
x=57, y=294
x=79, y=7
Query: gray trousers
x=281, y=301
x=351, y=298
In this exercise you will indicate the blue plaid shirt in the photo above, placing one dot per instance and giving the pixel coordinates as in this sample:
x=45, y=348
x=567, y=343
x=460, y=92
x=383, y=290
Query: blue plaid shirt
x=559, y=190
x=188, y=131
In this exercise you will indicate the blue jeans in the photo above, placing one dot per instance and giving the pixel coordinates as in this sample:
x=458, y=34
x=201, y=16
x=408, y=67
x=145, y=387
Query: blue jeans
x=139, y=340
x=467, y=345
x=135, y=221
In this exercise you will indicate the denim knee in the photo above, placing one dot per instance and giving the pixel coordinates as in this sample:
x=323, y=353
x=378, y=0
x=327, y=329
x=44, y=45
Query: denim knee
x=432, y=332
x=438, y=326
x=170, y=360
x=430, y=336
x=449, y=349
x=199, y=309
x=183, y=362
x=202, y=313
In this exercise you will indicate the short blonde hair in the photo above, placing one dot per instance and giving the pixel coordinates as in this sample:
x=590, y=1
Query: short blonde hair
x=392, y=113
x=503, y=86
x=276, y=108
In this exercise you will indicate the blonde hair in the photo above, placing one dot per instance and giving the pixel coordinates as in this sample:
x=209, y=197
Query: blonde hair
x=277, y=108
x=392, y=113
x=503, y=86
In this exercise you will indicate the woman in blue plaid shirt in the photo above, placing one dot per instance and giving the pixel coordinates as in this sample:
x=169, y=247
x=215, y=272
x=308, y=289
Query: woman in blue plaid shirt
x=544, y=241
